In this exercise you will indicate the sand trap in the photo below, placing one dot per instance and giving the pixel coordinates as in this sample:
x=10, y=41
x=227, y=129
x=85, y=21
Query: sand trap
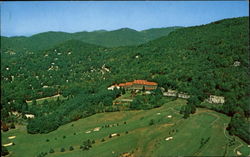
x=238, y=153
x=87, y=132
x=113, y=135
x=169, y=138
x=11, y=137
x=169, y=116
x=158, y=113
x=8, y=144
x=97, y=129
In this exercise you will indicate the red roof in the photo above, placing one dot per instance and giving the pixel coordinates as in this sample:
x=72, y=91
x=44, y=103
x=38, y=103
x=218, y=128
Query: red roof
x=141, y=82
x=129, y=83
x=151, y=83
x=121, y=84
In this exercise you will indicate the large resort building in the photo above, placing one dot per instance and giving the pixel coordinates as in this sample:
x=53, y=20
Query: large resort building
x=135, y=85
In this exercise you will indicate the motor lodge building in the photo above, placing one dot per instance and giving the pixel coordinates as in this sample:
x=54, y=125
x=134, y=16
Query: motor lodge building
x=135, y=85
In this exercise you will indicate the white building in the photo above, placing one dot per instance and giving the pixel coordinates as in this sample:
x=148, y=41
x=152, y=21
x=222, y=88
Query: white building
x=113, y=87
x=29, y=116
x=170, y=92
x=216, y=99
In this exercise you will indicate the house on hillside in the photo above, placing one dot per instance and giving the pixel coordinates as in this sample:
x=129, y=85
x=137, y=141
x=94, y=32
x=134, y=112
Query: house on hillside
x=216, y=99
x=236, y=63
x=113, y=87
x=175, y=93
x=29, y=116
x=170, y=92
x=183, y=95
x=136, y=85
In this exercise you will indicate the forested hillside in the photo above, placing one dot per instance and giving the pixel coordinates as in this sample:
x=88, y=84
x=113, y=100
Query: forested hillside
x=120, y=37
x=198, y=60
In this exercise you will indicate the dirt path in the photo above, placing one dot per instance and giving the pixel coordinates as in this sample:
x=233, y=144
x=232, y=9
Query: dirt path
x=44, y=98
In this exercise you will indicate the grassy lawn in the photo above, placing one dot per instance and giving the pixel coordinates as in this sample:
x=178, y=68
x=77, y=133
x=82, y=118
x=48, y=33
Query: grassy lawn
x=142, y=139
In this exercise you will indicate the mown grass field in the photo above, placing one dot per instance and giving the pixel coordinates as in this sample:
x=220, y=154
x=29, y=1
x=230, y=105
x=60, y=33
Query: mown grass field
x=142, y=139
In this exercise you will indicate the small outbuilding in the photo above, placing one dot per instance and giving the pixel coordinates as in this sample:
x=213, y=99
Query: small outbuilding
x=29, y=116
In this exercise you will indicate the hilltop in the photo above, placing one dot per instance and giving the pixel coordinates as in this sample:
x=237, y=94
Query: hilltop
x=120, y=37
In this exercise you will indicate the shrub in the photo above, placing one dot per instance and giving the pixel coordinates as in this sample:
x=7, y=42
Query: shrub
x=103, y=140
x=85, y=147
x=12, y=126
x=125, y=122
x=62, y=150
x=51, y=150
x=4, y=151
x=81, y=146
x=93, y=141
x=71, y=148
x=126, y=132
x=4, y=127
x=64, y=137
x=74, y=133
x=47, y=140
x=152, y=122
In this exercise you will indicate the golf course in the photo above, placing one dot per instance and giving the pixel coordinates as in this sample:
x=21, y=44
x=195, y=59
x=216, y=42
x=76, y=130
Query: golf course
x=147, y=133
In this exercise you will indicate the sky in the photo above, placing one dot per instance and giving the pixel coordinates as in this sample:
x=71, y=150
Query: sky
x=28, y=18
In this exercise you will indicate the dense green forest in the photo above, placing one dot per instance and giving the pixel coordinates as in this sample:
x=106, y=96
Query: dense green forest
x=197, y=60
x=120, y=37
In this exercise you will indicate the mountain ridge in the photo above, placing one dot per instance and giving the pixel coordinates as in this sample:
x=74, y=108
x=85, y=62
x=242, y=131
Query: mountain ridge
x=120, y=37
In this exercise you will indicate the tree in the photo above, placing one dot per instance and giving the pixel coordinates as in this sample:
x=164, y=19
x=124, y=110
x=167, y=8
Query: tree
x=193, y=101
x=25, y=107
x=4, y=151
x=193, y=109
x=87, y=144
x=143, y=89
x=4, y=127
x=34, y=102
x=152, y=122
x=62, y=150
x=71, y=148
x=123, y=91
x=182, y=110
x=158, y=91
x=12, y=126
x=240, y=127
x=187, y=111
x=51, y=150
